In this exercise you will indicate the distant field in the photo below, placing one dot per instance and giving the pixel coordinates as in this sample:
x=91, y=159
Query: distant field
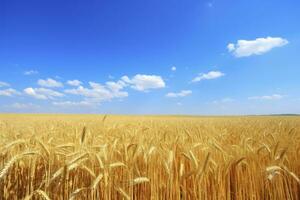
x=149, y=157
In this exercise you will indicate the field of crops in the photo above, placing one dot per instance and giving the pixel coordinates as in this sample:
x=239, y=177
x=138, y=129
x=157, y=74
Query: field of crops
x=149, y=157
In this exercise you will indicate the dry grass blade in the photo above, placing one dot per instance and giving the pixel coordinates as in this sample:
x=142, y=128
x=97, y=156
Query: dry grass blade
x=170, y=157
x=117, y=164
x=104, y=118
x=123, y=193
x=273, y=168
x=76, y=192
x=292, y=174
x=275, y=149
x=78, y=158
x=44, y=147
x=281, y=155
x=217, y=146
x=151, y=150
x=10, y=145
x=97, y=181
x=296, y=178
x=69, y=168
x=14, y=159
x=240, y=160
x=67, y=145
x=140, y=180
x=40, y=193
x=83, y=135
x=101, y=164
x=201, y=172
x=194, y=159
x=181, y=170
x=89, y=171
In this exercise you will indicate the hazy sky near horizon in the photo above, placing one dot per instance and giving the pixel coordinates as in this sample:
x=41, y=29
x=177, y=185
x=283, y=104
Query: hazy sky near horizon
x=150, y=57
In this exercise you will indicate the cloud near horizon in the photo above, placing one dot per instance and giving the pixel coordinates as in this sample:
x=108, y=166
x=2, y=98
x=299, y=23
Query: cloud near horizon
x=4, y=84
x=267, y=97
x=94, y=94
x=73, y=103
x=42, y=93
x=98, y=92
x=182, y=93
x=9, y=92
x=224, y=100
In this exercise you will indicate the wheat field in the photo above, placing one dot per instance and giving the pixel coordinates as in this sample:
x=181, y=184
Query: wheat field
x=148, y=157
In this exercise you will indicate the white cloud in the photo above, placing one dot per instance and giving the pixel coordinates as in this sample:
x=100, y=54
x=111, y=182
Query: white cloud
x=230, y=47
x=258, y=46
x=224, y=100
x=24, y=106
x=126, y=79
x=42, y=93
x=267, y=97
x=30, y=72
x=110, y=77
x=9, y=92
x=4, y=84
x=143, y=82
x=73, y=103
x=115, y=86
x=182, y=93
x=173, y=68
x=49, y=83
x=99, y=93
x=208, y=76
x=74, y=82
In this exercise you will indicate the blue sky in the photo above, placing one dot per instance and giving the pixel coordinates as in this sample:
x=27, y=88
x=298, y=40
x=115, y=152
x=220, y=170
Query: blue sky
x=150, y=57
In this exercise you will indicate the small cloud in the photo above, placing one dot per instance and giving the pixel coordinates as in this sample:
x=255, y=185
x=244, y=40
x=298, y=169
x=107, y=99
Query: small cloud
x=42, y=93
x=182, y=93
x=179, y=104
x=267, y=97
x=244, y=48
x=30, y=72
x=49, y=83
x=58, y=77
x=9, y=92
x=110, y=77
x=4, y=84
x=227, y=100
x=74, y=82
x=24, y=106
x=73, y=103
x=173, y=68
x=230, y=47
x=143, y=82
x=208, y=76
x=224, y=100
